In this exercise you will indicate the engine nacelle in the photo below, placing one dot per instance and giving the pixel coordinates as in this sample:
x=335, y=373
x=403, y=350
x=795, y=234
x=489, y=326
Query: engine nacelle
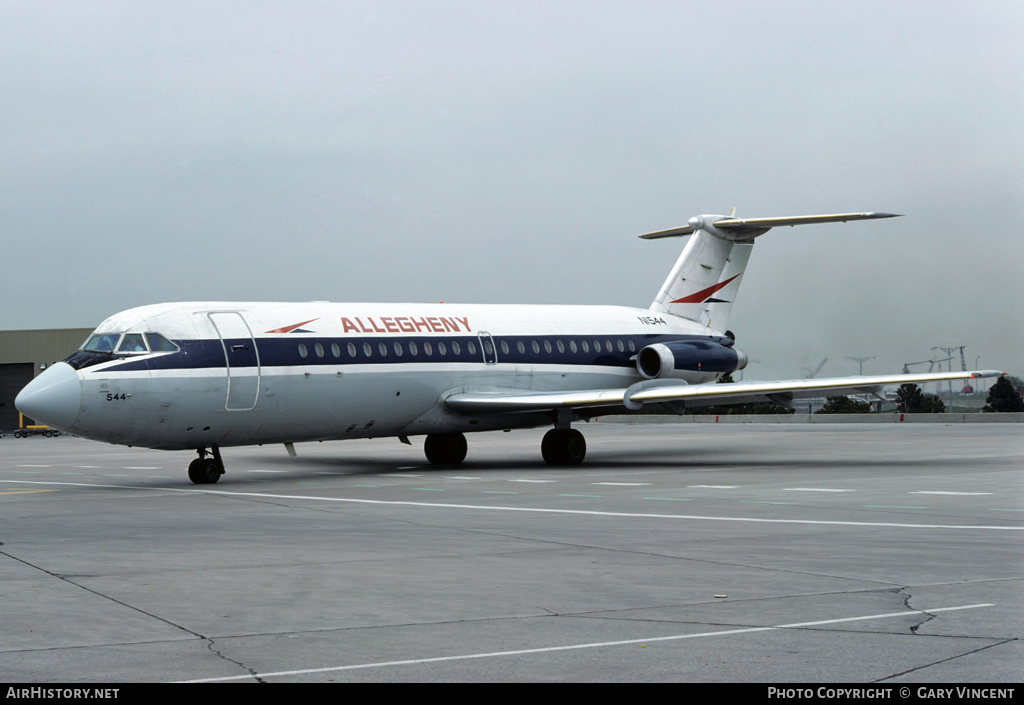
x=669, y=359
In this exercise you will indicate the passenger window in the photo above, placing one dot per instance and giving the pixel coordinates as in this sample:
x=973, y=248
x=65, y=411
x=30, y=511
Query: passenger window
x=335, y=350
x=319, y=350
x=521, y=348
x=427, y=349
x=608, y=345
x=586, y=348
x=547, y=346
x=302, y=350
x=367, y=350
x=351, y=349
x=456, y=350
x=412, y=349
x=622, y=348
x=597, y=346
x=158, y=343
x=572, y=346
x=132, y=343
x=561, y=346
x=383, y=349
x=535, y=347
x=471, y=348
x=441, y=349
x=632, y=348
x=488, y=348
x=504, y=347
x=398, y=349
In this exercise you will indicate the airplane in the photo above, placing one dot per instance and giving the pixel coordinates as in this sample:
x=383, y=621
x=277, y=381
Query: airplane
x=208, y=375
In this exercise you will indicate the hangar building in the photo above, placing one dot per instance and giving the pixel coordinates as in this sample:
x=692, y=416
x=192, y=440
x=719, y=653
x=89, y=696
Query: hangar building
x=26, y=353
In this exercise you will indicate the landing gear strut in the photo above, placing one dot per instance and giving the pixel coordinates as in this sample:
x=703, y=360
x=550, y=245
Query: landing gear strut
x=204, y=470
x=445, y=448
x=563, y=447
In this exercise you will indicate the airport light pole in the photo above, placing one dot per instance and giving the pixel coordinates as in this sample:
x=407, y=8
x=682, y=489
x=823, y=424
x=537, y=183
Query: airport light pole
x=861, y=361
x=949, y=351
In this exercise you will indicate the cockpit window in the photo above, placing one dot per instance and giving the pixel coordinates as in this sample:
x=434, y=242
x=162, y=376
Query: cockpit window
x=105, y=342
x=132, y=343
x=158, y=343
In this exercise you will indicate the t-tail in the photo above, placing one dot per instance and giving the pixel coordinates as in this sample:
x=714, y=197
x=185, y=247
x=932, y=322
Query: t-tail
x=705, y=279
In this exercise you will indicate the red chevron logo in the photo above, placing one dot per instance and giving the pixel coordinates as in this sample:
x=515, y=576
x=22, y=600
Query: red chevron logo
x=289, y=329
x=705, y=294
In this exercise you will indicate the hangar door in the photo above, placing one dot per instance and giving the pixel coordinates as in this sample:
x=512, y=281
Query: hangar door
x=13, y=378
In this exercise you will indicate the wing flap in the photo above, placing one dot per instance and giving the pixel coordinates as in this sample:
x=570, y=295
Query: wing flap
x=512, y=400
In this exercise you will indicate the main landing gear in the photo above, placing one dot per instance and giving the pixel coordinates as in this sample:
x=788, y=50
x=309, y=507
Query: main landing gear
x=563, y=447
x=204, y=470
x=445, y=448
x=560, y=447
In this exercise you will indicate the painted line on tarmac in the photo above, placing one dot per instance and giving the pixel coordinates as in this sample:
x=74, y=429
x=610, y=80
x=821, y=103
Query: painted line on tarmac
x=595, y=645
x=535, y=510
x=814, y=489
x=966, y=494
x=27, y=491
x=890, y=506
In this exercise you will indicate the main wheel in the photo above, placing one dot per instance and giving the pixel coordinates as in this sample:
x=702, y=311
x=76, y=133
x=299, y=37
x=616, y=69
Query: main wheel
x=563, y=447
x=445, y=448
x=204, y=471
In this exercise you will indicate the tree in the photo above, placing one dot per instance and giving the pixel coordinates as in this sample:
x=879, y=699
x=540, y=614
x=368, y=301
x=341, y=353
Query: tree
x=1002, y=396
x=844, y=405
x=1016, y=383
x=911, y=400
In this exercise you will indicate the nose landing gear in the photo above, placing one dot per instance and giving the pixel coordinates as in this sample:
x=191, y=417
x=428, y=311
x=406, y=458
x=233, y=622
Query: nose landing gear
x=204, y=470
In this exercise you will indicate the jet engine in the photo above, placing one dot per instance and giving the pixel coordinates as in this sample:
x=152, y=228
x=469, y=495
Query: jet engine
x=662, y=360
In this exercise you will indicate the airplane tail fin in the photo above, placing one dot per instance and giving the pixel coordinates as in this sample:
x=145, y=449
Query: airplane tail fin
x=702, y=285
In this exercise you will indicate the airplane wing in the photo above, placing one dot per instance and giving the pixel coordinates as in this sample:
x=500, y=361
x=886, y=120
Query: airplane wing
x=667, y=390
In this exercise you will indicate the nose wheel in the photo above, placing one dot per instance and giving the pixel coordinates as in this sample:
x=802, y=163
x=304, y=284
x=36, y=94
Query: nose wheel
x=206, y=470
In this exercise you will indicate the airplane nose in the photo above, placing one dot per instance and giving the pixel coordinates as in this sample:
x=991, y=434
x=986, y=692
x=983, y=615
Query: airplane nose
x=53, y=398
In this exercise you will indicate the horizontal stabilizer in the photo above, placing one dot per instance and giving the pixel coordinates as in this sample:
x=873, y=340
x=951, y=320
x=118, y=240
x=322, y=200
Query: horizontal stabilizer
x=760, y=225
x=498, y=402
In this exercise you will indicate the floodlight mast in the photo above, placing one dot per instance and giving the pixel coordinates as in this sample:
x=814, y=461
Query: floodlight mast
x=949, y=352
x=861, y=360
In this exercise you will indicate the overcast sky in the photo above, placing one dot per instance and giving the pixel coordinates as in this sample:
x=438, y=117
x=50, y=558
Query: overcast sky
x=511, y=152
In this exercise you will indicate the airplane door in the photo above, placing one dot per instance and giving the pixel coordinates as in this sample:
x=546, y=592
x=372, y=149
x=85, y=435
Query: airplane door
x=490, y=352
x=242, y=359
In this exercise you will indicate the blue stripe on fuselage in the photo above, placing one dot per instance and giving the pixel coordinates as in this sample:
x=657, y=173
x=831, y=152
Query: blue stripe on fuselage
x=284, y=352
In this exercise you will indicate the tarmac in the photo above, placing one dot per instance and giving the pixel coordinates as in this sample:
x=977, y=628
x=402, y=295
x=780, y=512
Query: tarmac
x=765, y=553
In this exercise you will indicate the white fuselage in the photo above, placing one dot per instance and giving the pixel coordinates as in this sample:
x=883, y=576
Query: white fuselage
x=247, y=373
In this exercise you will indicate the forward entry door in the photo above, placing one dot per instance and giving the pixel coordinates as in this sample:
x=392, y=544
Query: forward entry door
x=242, y=359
